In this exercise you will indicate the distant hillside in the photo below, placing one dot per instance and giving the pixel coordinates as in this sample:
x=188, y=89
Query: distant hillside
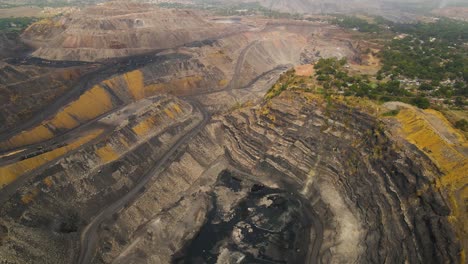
x=46, y=3
x=128, y=29
x=380, y=7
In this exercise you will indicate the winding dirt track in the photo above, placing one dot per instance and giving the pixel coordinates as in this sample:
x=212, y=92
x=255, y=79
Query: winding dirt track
x=88, y=236
x=234, y=83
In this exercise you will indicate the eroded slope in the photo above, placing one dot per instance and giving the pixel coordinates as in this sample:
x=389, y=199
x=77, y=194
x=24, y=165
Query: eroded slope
x=118, y=29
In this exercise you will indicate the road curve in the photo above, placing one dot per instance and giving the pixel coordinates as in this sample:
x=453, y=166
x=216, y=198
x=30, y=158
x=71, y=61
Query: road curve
x=234, y=83
x=88, y=236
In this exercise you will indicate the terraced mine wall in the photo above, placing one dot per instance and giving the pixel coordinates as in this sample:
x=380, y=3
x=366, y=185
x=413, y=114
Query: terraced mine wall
x=39, y=105
x=208, y=69
x=358, y=186
x=25, y=90
x=368, y=183
x=362, y=186
x=432, y=134
x=60, y=198
x=95, y=101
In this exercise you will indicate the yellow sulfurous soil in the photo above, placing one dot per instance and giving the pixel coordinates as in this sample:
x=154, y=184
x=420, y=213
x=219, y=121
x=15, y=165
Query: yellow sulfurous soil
x=12, y=171
x=432, y=133
x=90, y=105
x=143, y=128
x=135, y=84
x=93, y=103
x=37, y=134
x=107, y=154
x=180, y=86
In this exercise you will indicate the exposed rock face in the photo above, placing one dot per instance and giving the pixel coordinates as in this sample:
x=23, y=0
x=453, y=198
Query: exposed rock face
x=353, y=185
x=10, y=44
x=341, y=155
x=89, y=179
x=431, y=132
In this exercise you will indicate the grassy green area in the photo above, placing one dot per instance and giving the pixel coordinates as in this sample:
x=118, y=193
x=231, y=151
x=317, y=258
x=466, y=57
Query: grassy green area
x=391, y=113
x=233, y=9
x=432, y=53
x=359, y=24
x=462, y=125
x=15, y=24
x=420, y=61
x=332, y=76
x=335, y=79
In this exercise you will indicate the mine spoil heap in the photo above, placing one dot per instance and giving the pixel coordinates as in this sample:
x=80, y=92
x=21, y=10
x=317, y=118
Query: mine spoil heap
x=117, y=29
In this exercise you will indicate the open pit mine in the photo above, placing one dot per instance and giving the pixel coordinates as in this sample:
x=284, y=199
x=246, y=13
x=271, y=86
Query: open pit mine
x=136, y=134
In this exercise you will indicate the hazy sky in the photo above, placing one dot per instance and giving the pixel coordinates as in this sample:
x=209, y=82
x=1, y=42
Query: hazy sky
x=443, y=3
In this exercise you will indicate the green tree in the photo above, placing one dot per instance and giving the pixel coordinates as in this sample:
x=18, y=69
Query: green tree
x=426, y=87
x=459, y=101
x=421, y=102
x=462, y=125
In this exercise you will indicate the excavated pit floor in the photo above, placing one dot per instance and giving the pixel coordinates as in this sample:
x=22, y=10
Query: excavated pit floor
x=266, y=225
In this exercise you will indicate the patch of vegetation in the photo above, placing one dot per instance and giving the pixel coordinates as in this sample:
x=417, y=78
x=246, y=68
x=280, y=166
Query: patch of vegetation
x=433, y=54
x=233, y=9
x=359, y=24
x=334, y=78
x=285, y=82
x=420, y=62
x=391, y=113
x=15, y=24
x=420, y=102
x=444, y=29
x=6, y=5
x=462, y=125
